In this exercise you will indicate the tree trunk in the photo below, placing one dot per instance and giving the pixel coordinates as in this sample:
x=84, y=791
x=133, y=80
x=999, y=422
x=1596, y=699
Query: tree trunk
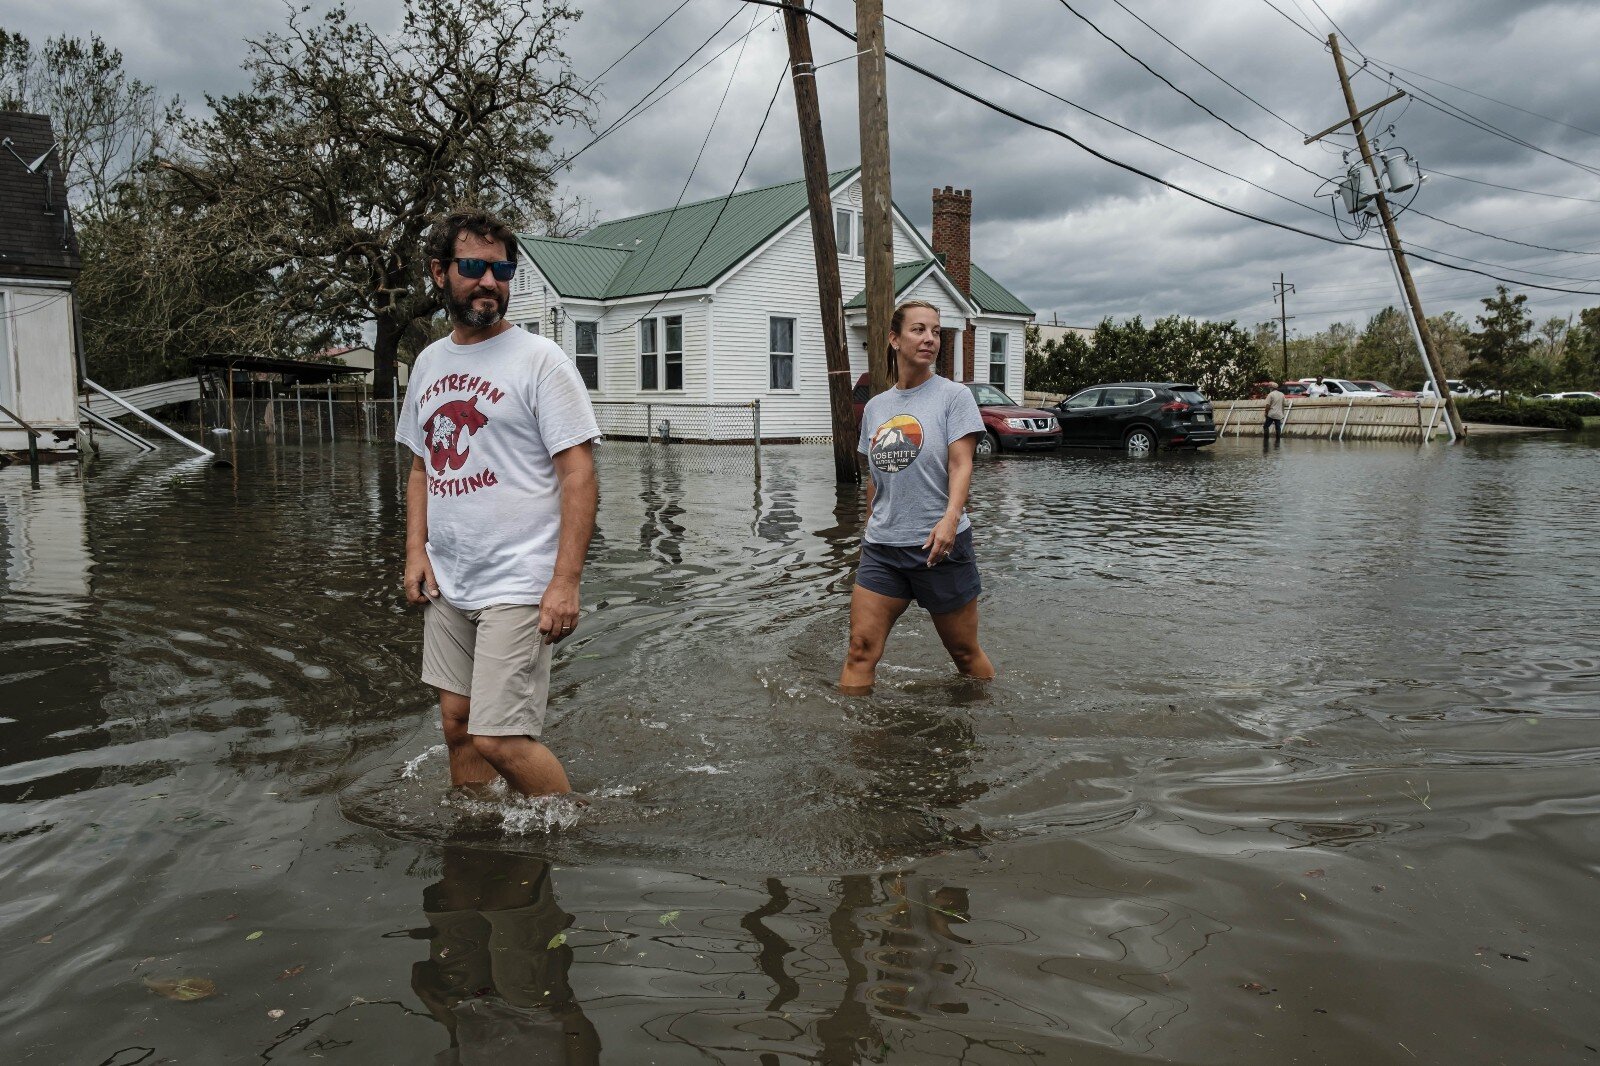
x=384, y=350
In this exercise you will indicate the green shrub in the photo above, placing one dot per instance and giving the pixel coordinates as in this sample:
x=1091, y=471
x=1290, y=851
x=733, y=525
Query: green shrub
x=1539, y=413
x=1584, y=407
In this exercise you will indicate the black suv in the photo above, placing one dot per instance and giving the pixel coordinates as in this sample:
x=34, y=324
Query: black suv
x=1137, y=416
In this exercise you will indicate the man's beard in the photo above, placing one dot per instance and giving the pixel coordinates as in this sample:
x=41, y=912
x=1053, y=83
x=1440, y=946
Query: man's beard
x=466, y=314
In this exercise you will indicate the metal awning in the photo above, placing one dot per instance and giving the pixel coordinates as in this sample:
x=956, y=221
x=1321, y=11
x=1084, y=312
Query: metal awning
x=299, y=371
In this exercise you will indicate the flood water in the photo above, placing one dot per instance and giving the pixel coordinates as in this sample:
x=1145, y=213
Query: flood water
x=1293, y=758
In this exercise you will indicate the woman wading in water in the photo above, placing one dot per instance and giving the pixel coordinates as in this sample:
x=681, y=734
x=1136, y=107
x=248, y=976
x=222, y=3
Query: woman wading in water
x=918, y=438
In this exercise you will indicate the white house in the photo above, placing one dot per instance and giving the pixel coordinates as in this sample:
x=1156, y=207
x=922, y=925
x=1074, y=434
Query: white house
x=716, y=302
x=38, y=266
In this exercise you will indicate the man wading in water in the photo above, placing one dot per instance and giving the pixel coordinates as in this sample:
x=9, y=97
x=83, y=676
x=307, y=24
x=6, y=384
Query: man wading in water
x=500, y=507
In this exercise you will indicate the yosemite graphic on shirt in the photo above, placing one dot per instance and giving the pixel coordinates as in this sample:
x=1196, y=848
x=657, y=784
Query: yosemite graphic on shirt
x=896, y=443
x=449, y=429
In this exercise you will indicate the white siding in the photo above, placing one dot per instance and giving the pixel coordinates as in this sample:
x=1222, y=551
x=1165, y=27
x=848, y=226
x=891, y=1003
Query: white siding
x=531, y=296
x=40, y=363
x=1016, y=353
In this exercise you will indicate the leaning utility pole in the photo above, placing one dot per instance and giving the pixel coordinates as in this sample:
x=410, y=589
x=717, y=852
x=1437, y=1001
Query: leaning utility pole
x=814, y=158
x=876, y=208
x=1280, y=292
x=1415, y=302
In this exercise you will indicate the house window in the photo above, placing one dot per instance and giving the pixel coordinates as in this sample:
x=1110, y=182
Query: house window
x=997, y=359
x=847, y=232
x=587, y=352
x=780, y=353
x=532, y=326
x=661, y=353
x=649, y=355
x=8, y=389
x=673, y=355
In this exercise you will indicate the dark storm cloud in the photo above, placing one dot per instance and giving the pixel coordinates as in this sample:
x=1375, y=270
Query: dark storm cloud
x=1067, y=232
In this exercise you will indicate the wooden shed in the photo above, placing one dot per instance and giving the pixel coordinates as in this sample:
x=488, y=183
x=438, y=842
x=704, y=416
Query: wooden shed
x=39, y=350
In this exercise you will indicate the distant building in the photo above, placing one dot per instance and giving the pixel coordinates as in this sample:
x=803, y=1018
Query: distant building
x=716, y=301
x=1053, y=331
x=362, y=357
x=39, y=351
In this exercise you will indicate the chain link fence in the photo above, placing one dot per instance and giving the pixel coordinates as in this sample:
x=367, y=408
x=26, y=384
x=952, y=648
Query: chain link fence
x=710, y=438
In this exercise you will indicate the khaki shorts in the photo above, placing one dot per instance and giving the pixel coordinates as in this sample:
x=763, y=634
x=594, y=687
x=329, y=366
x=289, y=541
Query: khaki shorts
x=496, y=657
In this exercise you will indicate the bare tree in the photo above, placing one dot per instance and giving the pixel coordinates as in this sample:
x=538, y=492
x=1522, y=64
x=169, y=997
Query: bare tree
x=109, y=125
x=325, y=176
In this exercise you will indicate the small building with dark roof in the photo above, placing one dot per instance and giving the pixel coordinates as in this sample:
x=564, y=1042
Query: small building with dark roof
x=39, y=265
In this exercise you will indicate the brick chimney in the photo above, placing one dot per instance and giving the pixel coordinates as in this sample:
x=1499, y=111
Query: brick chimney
x=952, y=239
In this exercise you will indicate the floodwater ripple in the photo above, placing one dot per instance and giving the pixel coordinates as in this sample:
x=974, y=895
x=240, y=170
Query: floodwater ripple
x=1280, y=741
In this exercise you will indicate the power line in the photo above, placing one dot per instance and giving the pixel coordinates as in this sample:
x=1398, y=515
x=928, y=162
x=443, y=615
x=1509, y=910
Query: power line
x=1444, y=107
x=1512, y=188
x=636, y=44
x=662, y=232
x=1497, y=237
x=1163, y=78
x=1208, y=70
x=1385, y=64
x=1095, y=114
x=1291, y=20
x=640, y=107
x=1063, y=134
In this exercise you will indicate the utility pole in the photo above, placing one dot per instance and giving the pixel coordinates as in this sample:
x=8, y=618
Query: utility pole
x=1412, y=299
x=876, y=209
x=814, y=158
x=1280, y=293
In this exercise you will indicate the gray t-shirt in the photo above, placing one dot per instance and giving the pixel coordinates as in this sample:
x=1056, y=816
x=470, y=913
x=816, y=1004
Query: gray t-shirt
x=906, y=435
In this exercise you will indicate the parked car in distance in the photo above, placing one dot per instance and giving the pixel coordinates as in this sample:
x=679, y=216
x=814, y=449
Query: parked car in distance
x=1140, y=417
x=1457, y=387
x=1341, y=387
x=1385, y=390
x=1568, y=396
x=1007, y=425
x=1292, y=390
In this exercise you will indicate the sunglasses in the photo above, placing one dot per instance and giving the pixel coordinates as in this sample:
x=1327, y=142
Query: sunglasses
x=472, y=269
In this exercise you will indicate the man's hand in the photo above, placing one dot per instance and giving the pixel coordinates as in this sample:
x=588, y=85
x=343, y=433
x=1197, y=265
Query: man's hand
x=942, y=539
x=420, y=583
x=558, y=609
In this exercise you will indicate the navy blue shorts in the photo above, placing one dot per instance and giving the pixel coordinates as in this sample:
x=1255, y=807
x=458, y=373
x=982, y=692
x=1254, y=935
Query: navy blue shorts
x=904, y=574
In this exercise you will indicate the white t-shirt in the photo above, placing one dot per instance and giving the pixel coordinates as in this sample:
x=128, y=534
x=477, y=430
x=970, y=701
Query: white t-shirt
x=485, y=419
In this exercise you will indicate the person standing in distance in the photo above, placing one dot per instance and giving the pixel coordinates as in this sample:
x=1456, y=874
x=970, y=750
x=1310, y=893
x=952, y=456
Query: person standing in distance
x=918, y=438
x=500, y=506
x=1272, y=416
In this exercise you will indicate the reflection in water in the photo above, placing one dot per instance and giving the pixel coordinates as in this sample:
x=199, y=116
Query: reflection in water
x=497, y=966
x=1242, y=724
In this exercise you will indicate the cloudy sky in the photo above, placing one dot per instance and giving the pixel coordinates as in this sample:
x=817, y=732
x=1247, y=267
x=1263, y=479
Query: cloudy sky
x=1074, y=236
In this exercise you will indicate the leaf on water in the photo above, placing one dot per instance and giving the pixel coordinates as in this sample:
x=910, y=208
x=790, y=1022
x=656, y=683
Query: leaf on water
x=669, y=917
x=47, y=938
x=182, y=989
x=557, y=940
x=293, y=971
x=255, y=935
x=1318, y=872
x=275, y=1014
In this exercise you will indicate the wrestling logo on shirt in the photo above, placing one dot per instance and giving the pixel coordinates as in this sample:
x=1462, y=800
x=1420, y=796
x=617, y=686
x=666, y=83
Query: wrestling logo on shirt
x=896, y=444
x=447, y=431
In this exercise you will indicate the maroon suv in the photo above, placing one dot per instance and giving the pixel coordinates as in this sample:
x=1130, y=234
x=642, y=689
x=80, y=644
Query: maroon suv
x=1006, y=425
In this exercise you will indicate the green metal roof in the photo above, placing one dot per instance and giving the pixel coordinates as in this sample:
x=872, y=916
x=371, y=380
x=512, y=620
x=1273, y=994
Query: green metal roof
x=905, y=275
x=987, y=293
x=690, y=247
x=994, y=297
x=695, y=244
x=577, y=270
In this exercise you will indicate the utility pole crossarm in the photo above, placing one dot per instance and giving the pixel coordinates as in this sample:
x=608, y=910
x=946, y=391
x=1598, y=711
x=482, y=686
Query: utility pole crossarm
x=1379, y=106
